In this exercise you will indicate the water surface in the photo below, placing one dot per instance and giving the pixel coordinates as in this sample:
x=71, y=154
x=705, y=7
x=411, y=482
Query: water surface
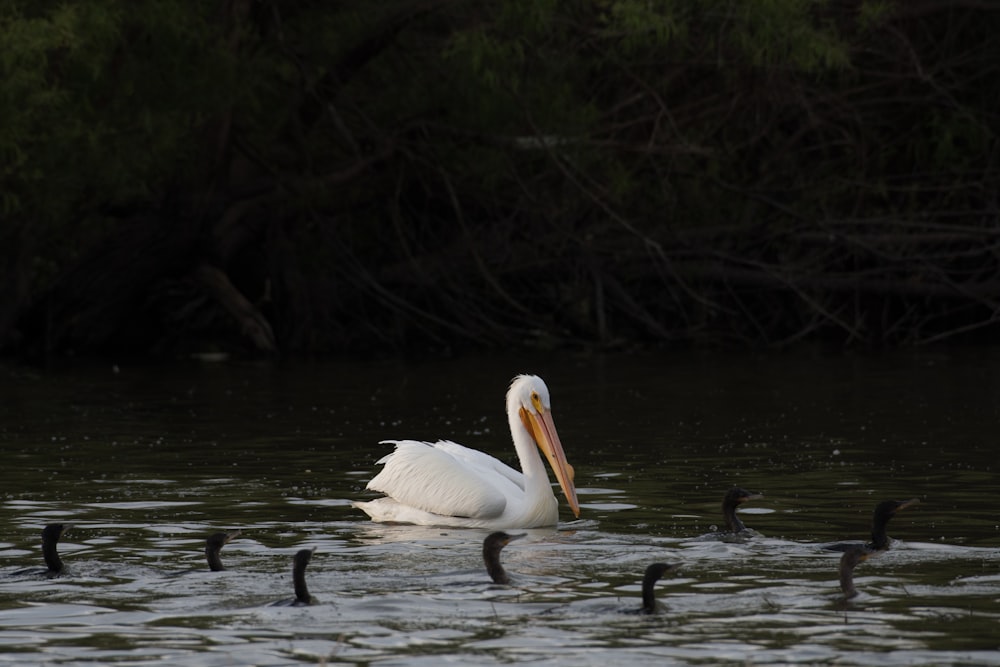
x=146, y=461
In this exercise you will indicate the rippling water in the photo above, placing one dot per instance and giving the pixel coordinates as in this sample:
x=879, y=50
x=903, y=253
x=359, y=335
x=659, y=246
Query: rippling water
x=145, y=462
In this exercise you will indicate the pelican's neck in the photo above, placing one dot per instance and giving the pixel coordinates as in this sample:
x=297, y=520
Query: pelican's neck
x=536, y=479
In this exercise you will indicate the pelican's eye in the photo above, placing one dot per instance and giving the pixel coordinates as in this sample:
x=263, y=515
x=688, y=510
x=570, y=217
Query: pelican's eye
x=537, y=402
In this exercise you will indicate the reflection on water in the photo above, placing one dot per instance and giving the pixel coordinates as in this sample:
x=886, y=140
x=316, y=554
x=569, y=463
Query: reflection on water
x=145, y=463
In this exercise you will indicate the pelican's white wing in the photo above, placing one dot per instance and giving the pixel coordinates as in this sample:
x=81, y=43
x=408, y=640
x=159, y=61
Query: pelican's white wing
x=445, y=478
x=481, y=461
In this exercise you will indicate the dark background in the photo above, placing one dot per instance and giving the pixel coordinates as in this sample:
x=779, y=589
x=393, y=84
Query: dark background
x=306, y=177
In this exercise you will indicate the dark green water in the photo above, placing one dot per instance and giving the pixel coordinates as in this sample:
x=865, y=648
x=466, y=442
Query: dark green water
x=145, y=462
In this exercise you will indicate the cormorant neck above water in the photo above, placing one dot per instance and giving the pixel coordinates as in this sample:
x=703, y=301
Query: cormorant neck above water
x=735, y=497
x=302, y=596
x=653, y=574
x=492, y=546
x=884, y=511
x=213, y=545
x=848, y=562
x=50, y=541
x=880, y=541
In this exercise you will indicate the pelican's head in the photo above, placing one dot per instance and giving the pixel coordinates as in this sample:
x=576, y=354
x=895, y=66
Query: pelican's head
x=529, y=395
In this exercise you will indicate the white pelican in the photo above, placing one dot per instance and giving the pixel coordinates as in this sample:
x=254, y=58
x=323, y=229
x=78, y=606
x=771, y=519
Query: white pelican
x=446, y=484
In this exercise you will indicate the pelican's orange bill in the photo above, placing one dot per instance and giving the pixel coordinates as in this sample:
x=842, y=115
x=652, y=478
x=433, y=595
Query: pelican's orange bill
x=543, y=430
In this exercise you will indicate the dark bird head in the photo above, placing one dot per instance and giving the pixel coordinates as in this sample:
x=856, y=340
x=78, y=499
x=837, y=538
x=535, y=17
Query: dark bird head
x=652, y=575
x=884, y=511
x=492, y=546
x=302, y=558
x=213, y=545
x=735, y=497
x=498, y=540
x=887, y=509
x=53, y=531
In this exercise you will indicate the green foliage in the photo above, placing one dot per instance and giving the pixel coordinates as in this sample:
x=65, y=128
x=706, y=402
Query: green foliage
x=101, y=100
x=788, y=34
x=407, y=133
x=639, y=25
x=873, y=13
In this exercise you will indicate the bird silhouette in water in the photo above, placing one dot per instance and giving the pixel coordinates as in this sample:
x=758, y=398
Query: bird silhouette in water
x=735, y=497
x=50, y=553
x=492, y=546
x=213, y=545
x=852, y=556
x=302, y=597
x=858, y=552
x=652, y=575
x=880, y=540
x=50, y=542
x=735, y=530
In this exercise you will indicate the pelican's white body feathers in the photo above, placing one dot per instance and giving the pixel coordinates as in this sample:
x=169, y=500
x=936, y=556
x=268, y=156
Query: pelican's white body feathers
x=446, y=484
